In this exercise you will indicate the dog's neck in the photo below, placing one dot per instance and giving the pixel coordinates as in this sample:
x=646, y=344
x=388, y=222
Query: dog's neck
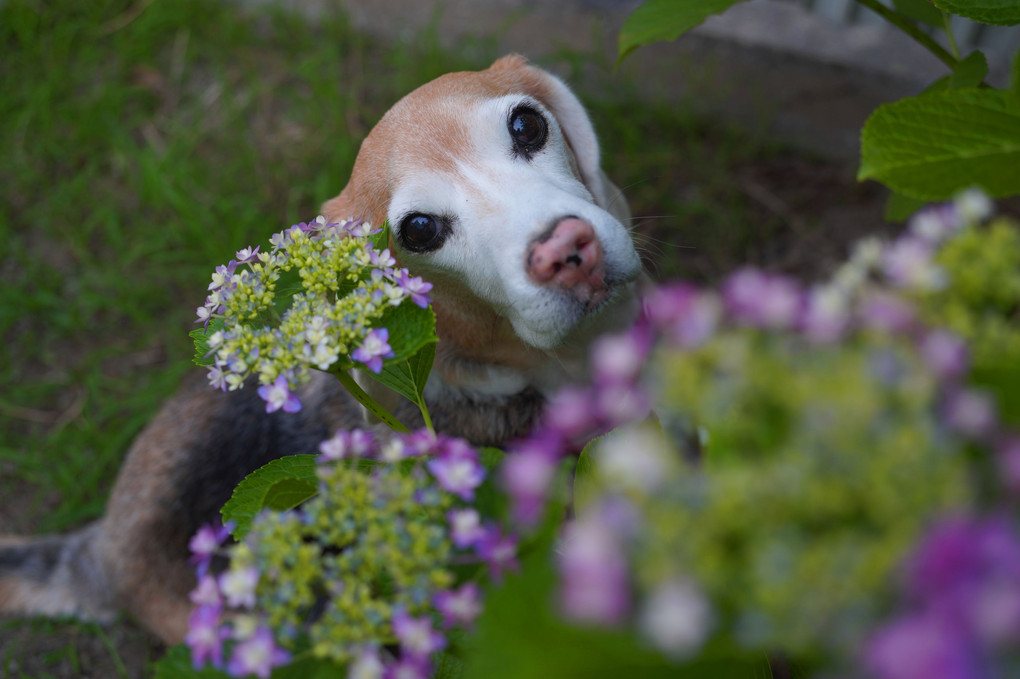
x=479, y=353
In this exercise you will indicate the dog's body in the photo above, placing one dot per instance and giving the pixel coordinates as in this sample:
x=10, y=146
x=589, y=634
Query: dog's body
x=490, y=181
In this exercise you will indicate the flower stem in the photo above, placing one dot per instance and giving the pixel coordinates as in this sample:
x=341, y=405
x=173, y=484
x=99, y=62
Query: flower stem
x=907, y=26
x=364, y=399
x=949, y=34
x=425, y=415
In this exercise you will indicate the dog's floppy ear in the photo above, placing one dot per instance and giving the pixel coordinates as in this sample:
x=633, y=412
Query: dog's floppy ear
x=574, y=122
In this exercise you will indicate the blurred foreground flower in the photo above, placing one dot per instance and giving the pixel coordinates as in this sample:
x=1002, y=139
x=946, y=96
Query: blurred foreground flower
x=802, y=442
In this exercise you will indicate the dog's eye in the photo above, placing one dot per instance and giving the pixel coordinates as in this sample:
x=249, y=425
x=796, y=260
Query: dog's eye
x=421, y=232
x=528, y=130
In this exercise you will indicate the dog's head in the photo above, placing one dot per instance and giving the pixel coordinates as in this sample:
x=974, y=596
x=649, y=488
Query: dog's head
x=491, y=184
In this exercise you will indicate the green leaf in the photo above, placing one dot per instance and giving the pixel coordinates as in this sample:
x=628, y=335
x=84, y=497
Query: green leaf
x=1003, y=381
x=490, y=500
x=176, y=664
x=899, y=208
x=919, y=10
x=658, y=20
x=200, y=337
x=519, y=636
x=408, y=378
x=282, y=484
x=586, y=486
x=940, y=85
x=448, y=666
x=380, y=241
x=970, y=72
x=1014, y=90
x=410, y=328
x=998, y=12
x=930, y=146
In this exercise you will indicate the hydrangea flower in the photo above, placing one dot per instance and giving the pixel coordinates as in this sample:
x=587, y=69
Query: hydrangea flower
x=374, y=348
x=257, y=655
x=416, y=636
x=344, y=287
x=871, y=387
x=366, y=562
x=205, y=636
x=459, y=607
x=458, y=471
x=278, y=396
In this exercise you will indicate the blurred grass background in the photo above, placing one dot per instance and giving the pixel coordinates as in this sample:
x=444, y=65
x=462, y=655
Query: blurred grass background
x=142, y=143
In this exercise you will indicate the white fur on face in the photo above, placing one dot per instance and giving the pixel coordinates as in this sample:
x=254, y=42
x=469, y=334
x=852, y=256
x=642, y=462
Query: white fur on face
x=497, y=204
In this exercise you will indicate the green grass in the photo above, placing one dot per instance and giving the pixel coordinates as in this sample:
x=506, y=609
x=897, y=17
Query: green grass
x=142, y=144
x=136, y=157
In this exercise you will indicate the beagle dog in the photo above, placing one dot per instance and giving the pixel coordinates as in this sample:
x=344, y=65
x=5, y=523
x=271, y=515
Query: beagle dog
x=491, y=184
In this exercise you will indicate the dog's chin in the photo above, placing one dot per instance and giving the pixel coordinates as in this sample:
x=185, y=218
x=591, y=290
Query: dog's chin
x=575, y=320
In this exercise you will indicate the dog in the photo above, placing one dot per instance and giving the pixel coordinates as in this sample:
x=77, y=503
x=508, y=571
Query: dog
x=491, y=183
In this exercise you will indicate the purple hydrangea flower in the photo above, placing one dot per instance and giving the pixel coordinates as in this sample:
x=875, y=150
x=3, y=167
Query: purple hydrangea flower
x=204, y=315
x=886, y=313
x=204, y=544
x=619, y=358
x=257, y=655
x=247, y=254
x=409, y=668
x=366, y=665
x=374, y=348
x=593, y=573
x=238, y=586
x=498, y=551
x=457, y=470
x=345, y=444
x=205, y=636
x=961, y=551
x=465, y=527
x=422, y=442
x=526, y=476
x=383, y=260
x=415, y=287
x=222, y=275
x=923, y=647
x=945, y=353
x=826, y=315
x=621, y=403
x=279, y=396
x=760, y=300
x=676, y=617
x=935, y=223
x=360, y=229
x=459, y=607
x=217, y=377
x=416, y=636
x=970, y=412
x=687, y=316
x=909, y=263
x=1008, y=451
x=207, y=592
x=964, y=582
x=570, y=414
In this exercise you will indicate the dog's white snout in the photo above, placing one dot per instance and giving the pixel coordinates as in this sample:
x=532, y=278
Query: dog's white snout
x=570, y=257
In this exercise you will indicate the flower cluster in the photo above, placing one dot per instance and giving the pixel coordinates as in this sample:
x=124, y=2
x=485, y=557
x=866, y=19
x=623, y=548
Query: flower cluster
x=337, y=285
x=363, y=573
x=803, y=439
